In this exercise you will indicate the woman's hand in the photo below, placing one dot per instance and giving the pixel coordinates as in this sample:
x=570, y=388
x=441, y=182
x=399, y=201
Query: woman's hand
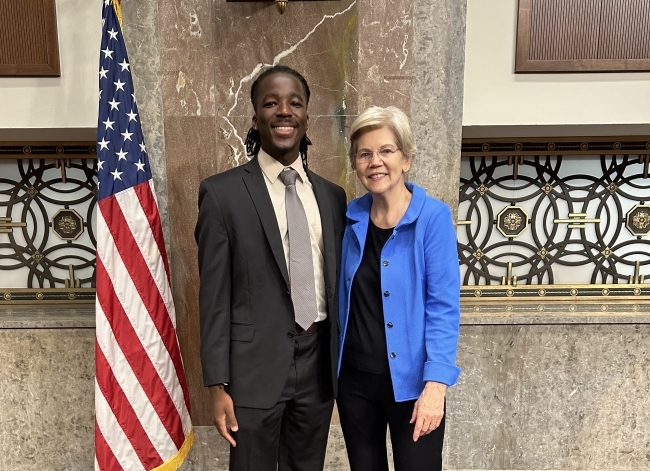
x=429, y=409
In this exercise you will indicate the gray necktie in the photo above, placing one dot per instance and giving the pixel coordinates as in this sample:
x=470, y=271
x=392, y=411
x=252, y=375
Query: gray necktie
x=301, y=264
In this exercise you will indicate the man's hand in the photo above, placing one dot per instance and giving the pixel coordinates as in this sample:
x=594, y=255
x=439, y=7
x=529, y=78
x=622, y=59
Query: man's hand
x=223, y=413
x=429, y=409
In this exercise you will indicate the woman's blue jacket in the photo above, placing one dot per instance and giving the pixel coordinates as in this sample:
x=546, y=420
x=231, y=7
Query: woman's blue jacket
x=420, y=282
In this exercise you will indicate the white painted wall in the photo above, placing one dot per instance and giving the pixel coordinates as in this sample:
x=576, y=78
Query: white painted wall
x=494, y=95
x=69, y=101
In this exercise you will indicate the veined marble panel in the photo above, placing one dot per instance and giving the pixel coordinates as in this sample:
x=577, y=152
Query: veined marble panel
x=385, y=61
x=140, y=27
x=192, y=149
x=437, y=95
x=186, y=47
x=316, y=38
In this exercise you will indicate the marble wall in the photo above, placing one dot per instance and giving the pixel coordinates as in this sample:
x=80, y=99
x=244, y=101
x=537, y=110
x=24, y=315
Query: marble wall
x=534, y=394
x=46, y=390
x=551, y=397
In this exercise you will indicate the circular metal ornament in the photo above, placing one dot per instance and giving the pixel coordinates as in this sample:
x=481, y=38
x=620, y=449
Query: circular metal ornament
x=67, y=224
x=637, y=220
x=512, y=221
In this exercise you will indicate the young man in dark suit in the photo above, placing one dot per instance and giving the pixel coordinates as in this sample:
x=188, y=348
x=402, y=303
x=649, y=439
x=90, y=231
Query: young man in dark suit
x=269, y=329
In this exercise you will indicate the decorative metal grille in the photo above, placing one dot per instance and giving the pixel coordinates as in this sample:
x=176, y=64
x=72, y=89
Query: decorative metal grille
x=548, y=213
x=47, y=235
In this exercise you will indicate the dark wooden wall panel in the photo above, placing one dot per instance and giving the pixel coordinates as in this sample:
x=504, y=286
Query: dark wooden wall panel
x=28, y=38
x=583, y=35
x=625, y=29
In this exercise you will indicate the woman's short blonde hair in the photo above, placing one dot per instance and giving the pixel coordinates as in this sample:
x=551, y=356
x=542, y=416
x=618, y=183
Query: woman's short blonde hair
x=377, y=117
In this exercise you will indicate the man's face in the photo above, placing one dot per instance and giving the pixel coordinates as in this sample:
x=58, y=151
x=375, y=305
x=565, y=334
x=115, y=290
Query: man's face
x=281, y=116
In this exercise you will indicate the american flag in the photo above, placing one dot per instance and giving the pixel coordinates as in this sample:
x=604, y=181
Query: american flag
x=142, y=407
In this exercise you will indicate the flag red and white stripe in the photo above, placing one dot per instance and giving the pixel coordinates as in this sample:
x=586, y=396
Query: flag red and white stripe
x=141, y=398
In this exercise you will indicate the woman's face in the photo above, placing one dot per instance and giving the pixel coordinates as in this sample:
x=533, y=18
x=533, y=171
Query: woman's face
x=379, y=163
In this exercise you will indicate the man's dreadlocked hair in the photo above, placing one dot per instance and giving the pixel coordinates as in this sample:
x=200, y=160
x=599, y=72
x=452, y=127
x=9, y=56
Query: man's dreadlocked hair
x=253, y=141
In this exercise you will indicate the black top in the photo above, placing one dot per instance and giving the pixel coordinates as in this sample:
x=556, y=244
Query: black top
x=365, y=339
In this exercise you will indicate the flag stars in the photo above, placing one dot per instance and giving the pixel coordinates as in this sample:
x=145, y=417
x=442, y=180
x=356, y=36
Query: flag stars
x=108, y=123
x=132, y=116
x=125, y=65
x=143, y=147
x=127, y=135
x=107, y=53
x=119, y=85
x=100, y=164
x=112, y=33
x=103, y=72
x=104, y=143
x=140, y=165
x=107, y=2
x=114, y=105
x=121, y=155
x=116, y=175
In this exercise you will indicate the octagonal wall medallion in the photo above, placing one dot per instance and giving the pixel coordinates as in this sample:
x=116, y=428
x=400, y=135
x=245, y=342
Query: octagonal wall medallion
x=637, y=220
x=67, y=224
x=512, y=221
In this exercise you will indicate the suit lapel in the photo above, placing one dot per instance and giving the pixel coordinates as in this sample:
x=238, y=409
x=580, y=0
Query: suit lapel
x=325, y=209
x=254, y=181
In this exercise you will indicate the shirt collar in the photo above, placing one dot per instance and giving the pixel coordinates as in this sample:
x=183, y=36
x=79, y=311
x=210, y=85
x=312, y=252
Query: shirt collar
x=272, y=168
x=359, y=209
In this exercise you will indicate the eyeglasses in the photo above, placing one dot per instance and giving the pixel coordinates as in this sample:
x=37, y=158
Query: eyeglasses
x=384, y=153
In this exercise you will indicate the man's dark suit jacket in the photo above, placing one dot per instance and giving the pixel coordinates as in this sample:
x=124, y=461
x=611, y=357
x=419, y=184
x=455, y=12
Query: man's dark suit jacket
x=247, y=318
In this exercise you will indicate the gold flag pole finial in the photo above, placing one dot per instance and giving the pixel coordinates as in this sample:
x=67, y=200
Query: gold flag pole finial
x=117, y=5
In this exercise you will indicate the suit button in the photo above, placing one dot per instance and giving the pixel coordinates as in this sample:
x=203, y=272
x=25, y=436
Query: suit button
x=290, y=334
x=392, y=354
x=389, y=325
x=386, y=294
x=385, y=263
x=289, y=292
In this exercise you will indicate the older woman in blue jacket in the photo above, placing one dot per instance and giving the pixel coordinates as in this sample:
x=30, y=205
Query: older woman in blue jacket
x=399, y=301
